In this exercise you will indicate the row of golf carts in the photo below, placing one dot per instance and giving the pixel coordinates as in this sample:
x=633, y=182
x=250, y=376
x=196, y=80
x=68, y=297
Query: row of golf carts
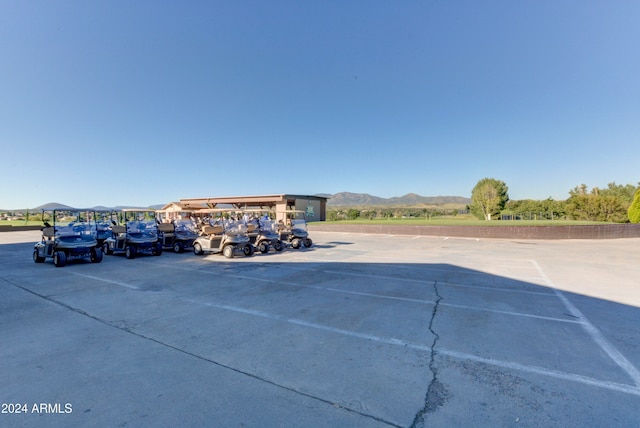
x=74, y=234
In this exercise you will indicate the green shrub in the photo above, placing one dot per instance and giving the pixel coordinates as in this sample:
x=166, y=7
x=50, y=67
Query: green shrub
x=634, y=210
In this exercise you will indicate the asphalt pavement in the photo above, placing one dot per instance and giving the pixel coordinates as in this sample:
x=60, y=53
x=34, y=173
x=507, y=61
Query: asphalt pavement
x=357, y=331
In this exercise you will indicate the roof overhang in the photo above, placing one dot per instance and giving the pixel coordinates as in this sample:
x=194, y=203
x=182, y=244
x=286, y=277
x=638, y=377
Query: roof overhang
x=245, y=201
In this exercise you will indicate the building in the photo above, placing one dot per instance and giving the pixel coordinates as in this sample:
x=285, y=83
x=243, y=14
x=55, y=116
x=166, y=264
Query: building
x=315, y=207
x=171, y=211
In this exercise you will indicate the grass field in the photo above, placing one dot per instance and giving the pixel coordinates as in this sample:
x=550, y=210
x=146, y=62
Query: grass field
x=20, y=223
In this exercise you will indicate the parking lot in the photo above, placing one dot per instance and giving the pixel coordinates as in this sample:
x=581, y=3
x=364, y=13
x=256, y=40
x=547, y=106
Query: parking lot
x=358, y=331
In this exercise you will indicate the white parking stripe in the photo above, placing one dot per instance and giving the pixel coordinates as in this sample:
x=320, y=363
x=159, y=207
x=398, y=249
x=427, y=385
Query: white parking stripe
x=382, y=296
x=629, y=389
x=595, y=334
x=121, y=284
x=517, y=314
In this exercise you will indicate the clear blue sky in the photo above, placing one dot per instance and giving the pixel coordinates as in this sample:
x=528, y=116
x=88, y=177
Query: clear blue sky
x=146, y=102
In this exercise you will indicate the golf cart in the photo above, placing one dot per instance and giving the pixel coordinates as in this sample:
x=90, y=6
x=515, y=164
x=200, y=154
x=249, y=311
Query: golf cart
x=72, y=236
x=135, y=231
x=176, y=230
x=262, y=231
x=220, y=232
x=292, y=225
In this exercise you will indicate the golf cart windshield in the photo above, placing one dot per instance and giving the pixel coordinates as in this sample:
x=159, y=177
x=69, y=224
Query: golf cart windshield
x=103, y=223
x=299, y=224
x=146, y=227
x=142, y=223
x=74, y=224
x=235, y=227
x=268, y=225
x=184, y=225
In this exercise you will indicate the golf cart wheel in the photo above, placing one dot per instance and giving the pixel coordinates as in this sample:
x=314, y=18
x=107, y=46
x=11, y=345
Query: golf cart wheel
x=106, y=249
x=36, y=256
x=130, y=252
x=96, y=255
x=59, y=259
x=228, y=251
x=247, y=250
x=197, y=249
x=308, y=242
x=178, y=247
x=157, y=250
x=296, y=243
x=278, y=245
x=263, y=247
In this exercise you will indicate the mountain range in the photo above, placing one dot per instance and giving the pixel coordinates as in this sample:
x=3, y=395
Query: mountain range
x=360, y=199
x=58, y=206
x=335, y=200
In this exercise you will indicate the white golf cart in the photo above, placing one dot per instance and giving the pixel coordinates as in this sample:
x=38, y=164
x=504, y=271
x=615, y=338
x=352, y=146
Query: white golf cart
x=135, y=231
x=71, y=236
x=292, y=226
x=221, y=231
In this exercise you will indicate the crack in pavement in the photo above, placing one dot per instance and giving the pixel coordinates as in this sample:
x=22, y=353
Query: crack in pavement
x=436, y=393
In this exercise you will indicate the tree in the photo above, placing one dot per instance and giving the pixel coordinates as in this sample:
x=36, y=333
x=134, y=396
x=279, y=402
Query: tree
x=624, y=193
x=634, y=210
x=353, y=214
x=609, y=204
x=488, y=198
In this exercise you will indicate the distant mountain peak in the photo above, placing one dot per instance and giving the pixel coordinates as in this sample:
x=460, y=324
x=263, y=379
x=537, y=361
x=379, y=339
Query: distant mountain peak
x=359, y=199
x=52, y=206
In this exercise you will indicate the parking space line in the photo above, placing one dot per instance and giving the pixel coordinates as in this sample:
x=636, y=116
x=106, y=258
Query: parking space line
x=422, y=281
x=501, y=290
x=386, y=297
x=407, y=299
x=121, y=284
x=595, y=334
x=629, y=389
x=295, y=321
x=517, y=314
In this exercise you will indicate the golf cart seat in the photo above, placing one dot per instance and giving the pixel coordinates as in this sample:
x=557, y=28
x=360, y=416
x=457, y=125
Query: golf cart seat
x=282, y=226
x=48, y=232
x=118, y=229
x=166, y=227
x=212, y=230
